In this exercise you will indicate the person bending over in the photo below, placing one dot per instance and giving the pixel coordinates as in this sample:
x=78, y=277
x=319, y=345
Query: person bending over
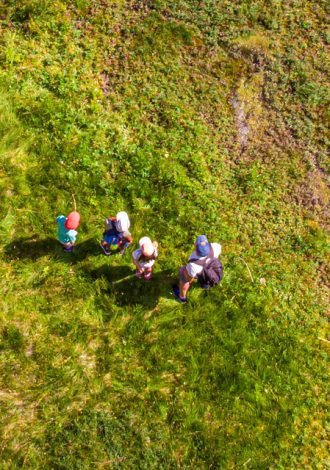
x=144, y=258
x=203, y=256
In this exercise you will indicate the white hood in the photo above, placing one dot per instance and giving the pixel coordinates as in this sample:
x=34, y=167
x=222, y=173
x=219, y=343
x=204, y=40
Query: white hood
x=122, y=222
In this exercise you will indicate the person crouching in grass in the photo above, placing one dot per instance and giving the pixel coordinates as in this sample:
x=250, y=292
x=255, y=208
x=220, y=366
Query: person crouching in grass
x=116, y=233
x=204, y=255
x=67, y=230
x=144, y=258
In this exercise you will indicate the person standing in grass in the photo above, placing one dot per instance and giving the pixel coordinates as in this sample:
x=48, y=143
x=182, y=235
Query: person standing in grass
x=67, y=230
x=116, y=233
x=144, y=258
x=203, y=263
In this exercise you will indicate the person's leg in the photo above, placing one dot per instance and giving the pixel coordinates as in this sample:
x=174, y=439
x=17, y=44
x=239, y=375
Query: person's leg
x=122, y=250
x=184, y=282
x=68, y=247
x=105, y=247
x=123, y=247
x=184, y=287
x=148, y=274
x=181, y=291
x=139, y=270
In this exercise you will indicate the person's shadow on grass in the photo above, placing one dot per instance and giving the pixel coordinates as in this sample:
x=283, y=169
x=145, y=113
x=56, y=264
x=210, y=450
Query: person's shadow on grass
x=32, y=248
x=122, y=286
x=128, y=290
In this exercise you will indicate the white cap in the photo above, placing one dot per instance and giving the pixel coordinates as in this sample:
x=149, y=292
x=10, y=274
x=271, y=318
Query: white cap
x=144, y=240
x=122, y=222
x=146, y=246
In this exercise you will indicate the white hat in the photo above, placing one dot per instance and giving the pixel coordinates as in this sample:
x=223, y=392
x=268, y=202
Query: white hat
x=146, y=246
x=122, y=222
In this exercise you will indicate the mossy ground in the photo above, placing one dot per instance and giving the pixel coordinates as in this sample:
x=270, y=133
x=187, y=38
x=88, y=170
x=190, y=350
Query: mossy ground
x=195, y=117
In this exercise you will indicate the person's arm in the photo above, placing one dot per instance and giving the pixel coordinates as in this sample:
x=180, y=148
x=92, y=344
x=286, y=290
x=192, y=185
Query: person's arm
x=126, y=238
x=135, y=258
x=138, y=265
x=155, y=244
x=60, y=218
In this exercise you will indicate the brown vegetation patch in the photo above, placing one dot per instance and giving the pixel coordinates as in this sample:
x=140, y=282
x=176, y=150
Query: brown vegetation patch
x=314, y=194
x=241, y=121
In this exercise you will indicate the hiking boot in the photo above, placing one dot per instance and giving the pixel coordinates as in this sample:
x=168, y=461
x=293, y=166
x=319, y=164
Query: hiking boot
x=105, y=249
x=68, y=249
x=176, y=293
x=138, y=274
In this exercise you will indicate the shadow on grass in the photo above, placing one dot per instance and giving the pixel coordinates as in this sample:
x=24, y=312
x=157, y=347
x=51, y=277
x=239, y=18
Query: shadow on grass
x=32, y=248
x=126, y=290
x=122, y=288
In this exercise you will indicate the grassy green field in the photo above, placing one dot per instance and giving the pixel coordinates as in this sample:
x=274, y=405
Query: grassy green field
x=194, y=117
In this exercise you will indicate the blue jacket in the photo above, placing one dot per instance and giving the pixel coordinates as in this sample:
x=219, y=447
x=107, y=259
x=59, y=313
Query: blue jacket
x=65, y=236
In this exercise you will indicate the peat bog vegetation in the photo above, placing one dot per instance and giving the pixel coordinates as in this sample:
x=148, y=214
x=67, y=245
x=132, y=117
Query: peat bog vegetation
x=195, y=117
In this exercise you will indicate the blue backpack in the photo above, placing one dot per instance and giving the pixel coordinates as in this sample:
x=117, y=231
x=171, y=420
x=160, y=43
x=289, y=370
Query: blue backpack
x=111, y=235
